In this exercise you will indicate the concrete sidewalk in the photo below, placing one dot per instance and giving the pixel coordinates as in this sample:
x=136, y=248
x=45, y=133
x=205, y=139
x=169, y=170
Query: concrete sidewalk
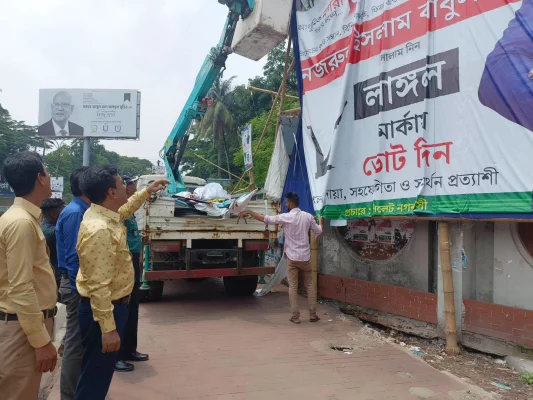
x=204, y=345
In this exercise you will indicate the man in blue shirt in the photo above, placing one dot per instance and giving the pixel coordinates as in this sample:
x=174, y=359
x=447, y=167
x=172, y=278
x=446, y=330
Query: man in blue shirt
x=67, y=229
x=128, y=348
x=507, y=82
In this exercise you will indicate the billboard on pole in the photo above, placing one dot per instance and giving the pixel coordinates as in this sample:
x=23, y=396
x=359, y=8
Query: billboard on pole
x=247, y=147
x=418, y=107
x=98, y=113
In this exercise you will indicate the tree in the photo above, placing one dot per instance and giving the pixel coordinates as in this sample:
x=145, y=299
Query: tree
x=218, y=121
x=16, y=136
x=68, y=157
x=244, y=107
x=261, y=159
x=274, y=69
x=194, y=166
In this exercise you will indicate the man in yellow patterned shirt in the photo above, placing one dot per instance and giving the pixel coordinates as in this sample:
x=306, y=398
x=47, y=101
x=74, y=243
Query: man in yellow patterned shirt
x=28, y=290
x=105, y=279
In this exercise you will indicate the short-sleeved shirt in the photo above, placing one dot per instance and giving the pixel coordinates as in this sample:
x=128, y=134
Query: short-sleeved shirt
x=296, y=225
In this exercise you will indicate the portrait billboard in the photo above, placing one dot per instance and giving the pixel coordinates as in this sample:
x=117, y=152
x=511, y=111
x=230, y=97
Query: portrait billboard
x=97, y=113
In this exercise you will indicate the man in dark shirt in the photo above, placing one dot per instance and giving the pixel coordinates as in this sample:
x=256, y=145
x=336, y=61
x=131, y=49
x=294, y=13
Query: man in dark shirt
x=51, y=209
x=67, y=229
x=128, y=348
x=507, y=82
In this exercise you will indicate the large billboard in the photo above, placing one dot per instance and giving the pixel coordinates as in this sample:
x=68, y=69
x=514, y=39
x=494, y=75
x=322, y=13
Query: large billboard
x=98, y=113
x=418, y=107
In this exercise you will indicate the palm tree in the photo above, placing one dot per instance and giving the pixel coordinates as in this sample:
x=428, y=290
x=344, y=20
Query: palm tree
x=218, y=120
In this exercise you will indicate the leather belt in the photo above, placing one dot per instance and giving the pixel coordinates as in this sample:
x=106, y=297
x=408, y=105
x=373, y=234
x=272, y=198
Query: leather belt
x=122, y=300
x=14, y=317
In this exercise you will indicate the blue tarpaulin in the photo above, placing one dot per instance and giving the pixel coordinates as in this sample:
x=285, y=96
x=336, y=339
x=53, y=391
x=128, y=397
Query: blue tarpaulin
x=297, y=179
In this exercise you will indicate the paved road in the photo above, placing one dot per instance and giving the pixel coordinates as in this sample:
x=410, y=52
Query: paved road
x=204, y=345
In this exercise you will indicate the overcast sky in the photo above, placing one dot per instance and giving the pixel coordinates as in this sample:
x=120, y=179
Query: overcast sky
x=156, y=46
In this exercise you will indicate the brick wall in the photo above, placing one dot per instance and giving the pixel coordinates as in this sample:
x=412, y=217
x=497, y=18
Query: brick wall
x=409, y=303
x=509, y=323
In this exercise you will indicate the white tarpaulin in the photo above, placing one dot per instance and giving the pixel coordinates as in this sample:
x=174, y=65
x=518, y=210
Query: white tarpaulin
x=276, y=279
x=418, y=107
x=277, y=171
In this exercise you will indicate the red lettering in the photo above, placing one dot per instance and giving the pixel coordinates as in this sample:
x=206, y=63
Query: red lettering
x=386, y=159
x=424, y=151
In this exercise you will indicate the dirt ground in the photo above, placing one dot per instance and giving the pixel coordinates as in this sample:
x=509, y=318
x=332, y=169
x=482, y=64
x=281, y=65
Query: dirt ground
x=473, y=367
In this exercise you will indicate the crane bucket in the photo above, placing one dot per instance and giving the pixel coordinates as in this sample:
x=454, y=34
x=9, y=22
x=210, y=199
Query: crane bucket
x=265, y=28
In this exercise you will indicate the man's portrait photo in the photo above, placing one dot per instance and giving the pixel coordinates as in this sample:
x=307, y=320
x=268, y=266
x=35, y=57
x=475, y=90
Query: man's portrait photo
x=507, y=82
x=59, y=124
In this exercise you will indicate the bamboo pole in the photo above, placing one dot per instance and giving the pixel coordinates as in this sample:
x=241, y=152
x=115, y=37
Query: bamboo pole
x=213, y=164
x=251, y=173
x=270, y=92
x=314, y=261
x=284, y=84
x=292, y=111
x=266, y=126
x=447, y=283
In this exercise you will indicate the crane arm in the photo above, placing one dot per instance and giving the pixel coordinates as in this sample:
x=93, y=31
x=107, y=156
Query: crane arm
x=196, y=105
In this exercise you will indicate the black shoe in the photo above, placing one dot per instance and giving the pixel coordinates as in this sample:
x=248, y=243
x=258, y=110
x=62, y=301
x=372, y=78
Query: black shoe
x=123, y=366
x=136, y=356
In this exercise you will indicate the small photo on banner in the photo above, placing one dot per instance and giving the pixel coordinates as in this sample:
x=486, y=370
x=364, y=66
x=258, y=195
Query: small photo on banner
x=246, y=135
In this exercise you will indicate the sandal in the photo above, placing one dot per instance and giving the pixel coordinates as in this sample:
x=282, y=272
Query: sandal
x=314, y=318
x=295, y=320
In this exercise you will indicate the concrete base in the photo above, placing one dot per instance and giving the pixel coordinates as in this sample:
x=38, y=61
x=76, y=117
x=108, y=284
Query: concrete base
x=487, y=344
x=497, y=347
x=405, y=325
x=519, y=364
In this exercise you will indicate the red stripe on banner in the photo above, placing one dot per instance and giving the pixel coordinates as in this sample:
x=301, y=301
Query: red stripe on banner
x=424, y=16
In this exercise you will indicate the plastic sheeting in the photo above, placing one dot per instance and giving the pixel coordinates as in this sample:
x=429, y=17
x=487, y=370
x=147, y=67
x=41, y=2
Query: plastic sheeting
x=210, y=191
x=241, y=203
x=277, y=278
x=277, y=171
x=297, y=179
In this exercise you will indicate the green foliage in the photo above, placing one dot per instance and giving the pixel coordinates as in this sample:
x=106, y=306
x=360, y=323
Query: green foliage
x=244, y=107
x=16, y=136
x=218, y=122
x=526, y=378
x=66, y=158
x=262, y=158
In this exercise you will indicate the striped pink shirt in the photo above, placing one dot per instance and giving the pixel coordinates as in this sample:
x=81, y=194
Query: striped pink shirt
x=296, y=225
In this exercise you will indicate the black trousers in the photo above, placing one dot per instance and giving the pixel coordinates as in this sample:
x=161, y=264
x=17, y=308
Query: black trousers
x=129, y=342
x=97, y=368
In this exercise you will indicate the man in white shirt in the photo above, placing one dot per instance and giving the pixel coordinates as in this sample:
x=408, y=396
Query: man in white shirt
x=296, y=224
x=59, y=124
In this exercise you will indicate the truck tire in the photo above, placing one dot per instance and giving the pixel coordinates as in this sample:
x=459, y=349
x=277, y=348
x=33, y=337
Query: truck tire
x=156, y=290
x=240, y=285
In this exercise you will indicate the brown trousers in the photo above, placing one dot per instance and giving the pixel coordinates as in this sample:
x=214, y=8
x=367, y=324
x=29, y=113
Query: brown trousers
x=19, y=378
x=293, y=269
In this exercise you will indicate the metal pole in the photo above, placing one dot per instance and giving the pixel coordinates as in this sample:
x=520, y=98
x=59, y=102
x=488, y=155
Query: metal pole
x=86, y=151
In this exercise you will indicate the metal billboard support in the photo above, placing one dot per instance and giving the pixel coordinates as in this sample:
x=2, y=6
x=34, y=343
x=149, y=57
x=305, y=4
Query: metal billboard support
x=86, y=151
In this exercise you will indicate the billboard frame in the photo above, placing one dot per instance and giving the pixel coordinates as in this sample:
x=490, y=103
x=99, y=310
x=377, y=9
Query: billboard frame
x=87, y=133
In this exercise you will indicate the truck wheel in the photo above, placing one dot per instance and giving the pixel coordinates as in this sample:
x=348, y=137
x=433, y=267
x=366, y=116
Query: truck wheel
x=156, y=290
x=240, y=286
